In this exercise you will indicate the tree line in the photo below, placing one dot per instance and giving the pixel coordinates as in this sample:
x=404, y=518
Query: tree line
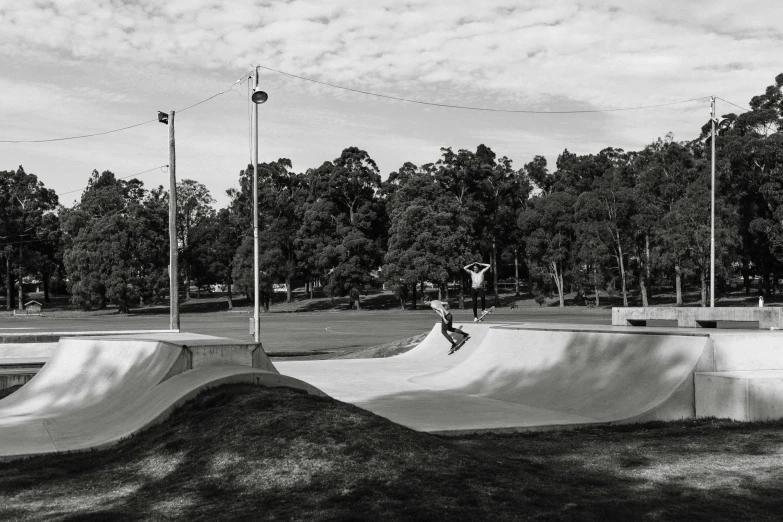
x=611, y=221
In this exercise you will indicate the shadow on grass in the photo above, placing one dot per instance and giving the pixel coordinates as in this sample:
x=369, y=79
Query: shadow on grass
x=241, y=452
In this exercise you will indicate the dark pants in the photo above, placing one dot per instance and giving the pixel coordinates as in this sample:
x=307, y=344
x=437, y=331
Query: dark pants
x=446, y=327
x=474, y=294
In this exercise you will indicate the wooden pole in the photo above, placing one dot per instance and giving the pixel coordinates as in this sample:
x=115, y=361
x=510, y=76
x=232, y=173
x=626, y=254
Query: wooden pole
x=173, y=265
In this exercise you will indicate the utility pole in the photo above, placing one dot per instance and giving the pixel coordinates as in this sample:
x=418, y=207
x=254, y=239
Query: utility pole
x=256, y=305
x=173, y=269
x=712, y=208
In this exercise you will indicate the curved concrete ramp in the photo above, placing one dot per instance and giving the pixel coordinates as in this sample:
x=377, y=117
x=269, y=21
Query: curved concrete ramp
x=523, y=377
x=94, y=392
x=608, y=377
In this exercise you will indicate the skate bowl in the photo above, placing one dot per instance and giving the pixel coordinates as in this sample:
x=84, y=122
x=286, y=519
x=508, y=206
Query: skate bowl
x=95, y=391
x=536, y=377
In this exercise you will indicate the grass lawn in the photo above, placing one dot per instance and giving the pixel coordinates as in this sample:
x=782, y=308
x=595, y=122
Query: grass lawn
x=244, y=452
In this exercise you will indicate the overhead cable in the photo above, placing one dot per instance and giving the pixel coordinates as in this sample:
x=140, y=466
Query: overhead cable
x=161, y=167
x=487, y=109
x=238, y=82
x=734, y=104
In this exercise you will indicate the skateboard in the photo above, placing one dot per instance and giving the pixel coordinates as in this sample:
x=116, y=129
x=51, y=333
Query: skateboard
x=485, y=313
x=459, y=345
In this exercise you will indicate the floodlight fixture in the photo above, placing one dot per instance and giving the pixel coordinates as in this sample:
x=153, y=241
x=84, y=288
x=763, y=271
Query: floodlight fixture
x=259, y=97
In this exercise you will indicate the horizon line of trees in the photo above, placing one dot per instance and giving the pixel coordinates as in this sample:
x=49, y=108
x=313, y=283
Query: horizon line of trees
x=596, y=223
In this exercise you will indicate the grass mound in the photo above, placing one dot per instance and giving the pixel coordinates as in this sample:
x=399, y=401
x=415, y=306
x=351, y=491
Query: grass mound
x=245, y=452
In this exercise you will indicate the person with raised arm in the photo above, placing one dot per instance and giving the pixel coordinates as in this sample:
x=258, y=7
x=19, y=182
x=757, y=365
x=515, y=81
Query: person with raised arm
x=477, y=286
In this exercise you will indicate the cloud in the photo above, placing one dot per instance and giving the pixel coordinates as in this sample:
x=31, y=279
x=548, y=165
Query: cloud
x=591, y=53
x=114, y=62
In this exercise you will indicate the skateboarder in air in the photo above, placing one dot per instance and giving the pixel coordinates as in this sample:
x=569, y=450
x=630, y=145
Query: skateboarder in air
x=442, y=309
x=477, y=286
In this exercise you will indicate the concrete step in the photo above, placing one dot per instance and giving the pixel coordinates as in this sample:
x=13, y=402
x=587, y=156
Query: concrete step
x=740, y=395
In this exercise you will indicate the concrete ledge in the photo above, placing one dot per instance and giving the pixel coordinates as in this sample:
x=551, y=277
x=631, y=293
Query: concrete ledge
x=695, y=317
x=53, y=337
x=740, y=396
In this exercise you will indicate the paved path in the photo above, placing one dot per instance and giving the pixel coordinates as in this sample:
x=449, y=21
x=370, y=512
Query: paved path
x=336, y=332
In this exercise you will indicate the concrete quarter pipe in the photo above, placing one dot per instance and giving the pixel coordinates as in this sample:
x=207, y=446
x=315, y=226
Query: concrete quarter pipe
x=512, y=377
x=95, y=391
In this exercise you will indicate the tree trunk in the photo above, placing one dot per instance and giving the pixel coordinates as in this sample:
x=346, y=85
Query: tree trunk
x=228, y=287
x=9, y=285
x=622, y=271
x=558, y=283
x=45, y=278
x=312, y=289
x=647, y=268
x=529, y=277
x=595, y=285
x=413, y=297
x=678, y=282
x=288, y=289
x=746, y=275
x=187, y=281
x=495, y=272
x=703, y=287
x=21, y=279
x=643, y=286
x=461, y=291
x=516, y=273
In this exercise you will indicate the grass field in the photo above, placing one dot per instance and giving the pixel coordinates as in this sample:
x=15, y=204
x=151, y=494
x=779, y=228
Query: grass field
x=246, y=453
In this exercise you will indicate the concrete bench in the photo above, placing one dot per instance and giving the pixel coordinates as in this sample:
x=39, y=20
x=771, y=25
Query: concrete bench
x=694, y=317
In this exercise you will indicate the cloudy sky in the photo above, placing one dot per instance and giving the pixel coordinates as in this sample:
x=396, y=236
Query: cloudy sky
x=71, y=68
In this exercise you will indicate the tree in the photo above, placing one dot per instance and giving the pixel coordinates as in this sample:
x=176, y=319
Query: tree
x=26, y=221
x=193, y=206
x=117, y=247
x=343, y=233
x=548, y=223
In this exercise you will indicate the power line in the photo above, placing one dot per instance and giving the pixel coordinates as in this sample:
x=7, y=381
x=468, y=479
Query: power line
x=124, y=177
x=238, y=82
x=487, y=109
x=81, y=136
x=734, y=104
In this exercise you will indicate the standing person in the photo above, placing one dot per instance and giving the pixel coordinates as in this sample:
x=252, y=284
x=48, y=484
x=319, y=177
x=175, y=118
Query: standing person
x=477, y=286
x=442, y=309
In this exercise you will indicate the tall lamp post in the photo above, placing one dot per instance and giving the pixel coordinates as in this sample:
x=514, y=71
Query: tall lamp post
x=712, y=207
x=258, y=97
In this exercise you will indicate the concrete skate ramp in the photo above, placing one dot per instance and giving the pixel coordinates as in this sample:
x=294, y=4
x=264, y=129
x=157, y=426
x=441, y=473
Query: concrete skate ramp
x=609, y=377
x=523, y=377
x=94, y=392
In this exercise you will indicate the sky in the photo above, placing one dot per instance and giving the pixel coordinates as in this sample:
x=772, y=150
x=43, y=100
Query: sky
x=70, y=68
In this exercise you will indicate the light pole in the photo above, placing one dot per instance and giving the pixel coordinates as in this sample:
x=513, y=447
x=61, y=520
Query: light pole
x=258, y=97
x=712, y=208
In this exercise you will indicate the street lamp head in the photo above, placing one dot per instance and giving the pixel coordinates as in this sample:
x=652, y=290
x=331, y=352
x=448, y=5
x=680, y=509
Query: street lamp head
x=259, y=97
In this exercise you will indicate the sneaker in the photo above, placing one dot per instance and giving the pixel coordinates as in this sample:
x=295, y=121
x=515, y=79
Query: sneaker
x=475, y=319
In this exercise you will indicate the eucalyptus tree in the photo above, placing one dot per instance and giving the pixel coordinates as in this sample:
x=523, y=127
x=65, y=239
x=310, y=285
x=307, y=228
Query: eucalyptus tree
x=194, y=204
x=28, y=225
x=343, y=233
x=116, y=243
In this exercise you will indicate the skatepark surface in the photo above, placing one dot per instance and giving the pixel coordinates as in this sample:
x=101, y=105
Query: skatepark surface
x=534, y=376
x=95, y=391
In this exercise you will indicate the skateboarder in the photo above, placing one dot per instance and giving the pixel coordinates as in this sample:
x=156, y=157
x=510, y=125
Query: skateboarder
x=477, y=286
x=442, y=309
